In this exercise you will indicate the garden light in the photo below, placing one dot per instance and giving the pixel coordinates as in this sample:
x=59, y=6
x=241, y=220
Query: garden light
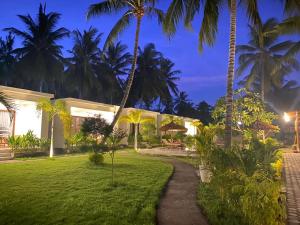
x=286, y=117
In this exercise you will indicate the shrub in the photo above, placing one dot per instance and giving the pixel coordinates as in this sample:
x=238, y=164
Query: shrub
x=80, y=142
x=96, y=158
x=28, y=142
x=245, y=188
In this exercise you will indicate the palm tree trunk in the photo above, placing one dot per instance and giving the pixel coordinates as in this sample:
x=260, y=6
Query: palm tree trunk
x=230, y=75
x=51, y=145
x=135, y=136
x=130, y=78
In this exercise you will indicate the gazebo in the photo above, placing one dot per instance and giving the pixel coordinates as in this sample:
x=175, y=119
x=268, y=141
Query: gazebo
x=173, y=127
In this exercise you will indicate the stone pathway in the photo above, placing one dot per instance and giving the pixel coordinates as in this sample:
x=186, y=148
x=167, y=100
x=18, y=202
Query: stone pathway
x=179, y=206
x=292, y=182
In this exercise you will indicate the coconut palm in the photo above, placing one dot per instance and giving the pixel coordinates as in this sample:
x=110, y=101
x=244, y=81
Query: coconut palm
x=146, y=81
x=264, y=56
x=82, y=64
x=285, y=98
x=155, y=78
x=187, y=9
x=115, y=61
x=183, y=106
x=7, y=59
x=136, y=118
x=134, y=9
x=40, y=56
x=56, y=109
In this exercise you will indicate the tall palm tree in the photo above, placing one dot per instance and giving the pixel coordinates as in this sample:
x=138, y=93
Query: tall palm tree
x=183, y=106
x=115, y=61
x=85, y=56
x=291, y=25
x=133, y=9
x=285, y=98
x=40, y=56
x=264, y=55
x=187, y=9
x=7, y=59
x=155, y=78
x=146, y=81
x=168, y=79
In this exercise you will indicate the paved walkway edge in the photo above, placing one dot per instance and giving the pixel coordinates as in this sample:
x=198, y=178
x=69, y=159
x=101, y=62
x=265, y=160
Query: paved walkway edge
x=178, y=203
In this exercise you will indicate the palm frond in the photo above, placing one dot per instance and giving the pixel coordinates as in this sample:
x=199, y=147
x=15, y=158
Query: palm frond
x=106, y=7
x=174, y=13
x=119, y=27
x=209, y=25
x=7, y=103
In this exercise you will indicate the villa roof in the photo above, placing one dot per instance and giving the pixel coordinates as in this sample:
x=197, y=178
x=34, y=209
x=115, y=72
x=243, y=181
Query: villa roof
x=24, y=94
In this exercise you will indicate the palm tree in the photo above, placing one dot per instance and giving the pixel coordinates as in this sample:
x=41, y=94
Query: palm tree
x=168, y=79
x=187, y=10
x=264, y=55
x=58, y=109
x=85, y=57
x=136, y=118
x=155, y=78
x=41, y=56
x=146, y=81
x=285, y=98
x=115, y=61
x=133, y=9
x=183, y=106
x=7, y=59
x=291, y=25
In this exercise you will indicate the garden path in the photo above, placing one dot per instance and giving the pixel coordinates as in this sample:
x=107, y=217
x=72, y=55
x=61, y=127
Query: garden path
x=178, y=206
x=292, y=182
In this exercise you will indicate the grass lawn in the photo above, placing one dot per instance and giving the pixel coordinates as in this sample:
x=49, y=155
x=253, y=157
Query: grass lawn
x=69, y=190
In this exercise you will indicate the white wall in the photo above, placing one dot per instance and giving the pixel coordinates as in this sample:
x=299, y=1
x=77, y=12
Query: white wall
x=26, y=117
x=191, y=130
x=108, y=116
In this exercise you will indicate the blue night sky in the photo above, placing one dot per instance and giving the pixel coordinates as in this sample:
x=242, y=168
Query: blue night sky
x=203, y=74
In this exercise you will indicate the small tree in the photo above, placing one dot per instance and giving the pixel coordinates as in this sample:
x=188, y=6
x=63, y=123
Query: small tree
x=135, y=117
x=57, y=108
x=113, y=141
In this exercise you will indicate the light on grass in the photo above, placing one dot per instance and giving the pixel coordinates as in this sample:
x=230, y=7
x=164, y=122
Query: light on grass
x=286, y=117
x=239, y=123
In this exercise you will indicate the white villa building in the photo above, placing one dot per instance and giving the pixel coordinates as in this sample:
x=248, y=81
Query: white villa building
x=26, y=117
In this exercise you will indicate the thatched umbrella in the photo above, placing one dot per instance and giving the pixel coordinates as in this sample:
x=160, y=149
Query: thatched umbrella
x=173, y=127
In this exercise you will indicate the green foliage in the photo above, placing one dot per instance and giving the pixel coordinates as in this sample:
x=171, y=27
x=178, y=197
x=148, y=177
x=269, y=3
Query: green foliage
x=80, y=142
x=115, y=138
x=248, y=109
x=95, y=126
x=245, y=188
x=58, y=108
x=96, y=158
x=28, y=143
